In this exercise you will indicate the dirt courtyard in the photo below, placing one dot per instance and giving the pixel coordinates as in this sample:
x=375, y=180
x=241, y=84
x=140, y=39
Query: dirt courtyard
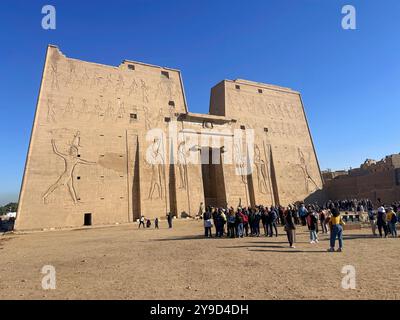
x=122, y=262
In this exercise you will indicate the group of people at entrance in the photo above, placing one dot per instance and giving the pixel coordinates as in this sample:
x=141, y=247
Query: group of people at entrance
x=246, y=222
x=143, y=221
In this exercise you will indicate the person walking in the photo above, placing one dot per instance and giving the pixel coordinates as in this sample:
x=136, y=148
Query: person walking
x=141, y=222
x=312, y=223
x=290, y=227
x=336, y=226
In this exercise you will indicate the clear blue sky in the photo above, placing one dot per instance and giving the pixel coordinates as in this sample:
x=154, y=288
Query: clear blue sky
x=349, y=78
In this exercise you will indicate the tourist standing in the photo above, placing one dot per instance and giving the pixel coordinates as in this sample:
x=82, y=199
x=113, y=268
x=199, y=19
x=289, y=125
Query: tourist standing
x=312, y=223
x=169, y=219
x=322, y=218
x=141, y=222
x=207, y=220
x=381, y=221
x=156, y=223
x=272, y=218
x=264, y=220
x=336, y=226
x=231, y=224
x=372, y=220
x=239, y=224
x=391, y=222
x=303, y=214
x=290, y=228
x=246, y=223
x=219, y=224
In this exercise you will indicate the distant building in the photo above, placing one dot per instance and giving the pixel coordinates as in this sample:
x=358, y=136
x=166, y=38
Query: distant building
x=373, y=179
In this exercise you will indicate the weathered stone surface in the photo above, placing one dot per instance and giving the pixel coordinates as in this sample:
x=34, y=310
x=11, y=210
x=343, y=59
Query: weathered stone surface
x=96, y=126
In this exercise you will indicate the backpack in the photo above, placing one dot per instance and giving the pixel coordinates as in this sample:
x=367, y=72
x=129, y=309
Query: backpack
x=231, y=219
x=394, y=219
x=245, y=218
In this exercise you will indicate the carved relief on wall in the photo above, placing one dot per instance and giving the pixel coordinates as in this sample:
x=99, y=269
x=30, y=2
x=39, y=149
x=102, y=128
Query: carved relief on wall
x=145, y=91
x=121, y=109
x=309, y=183
x=183, y=155
x=157, y=178
x=69, y=110
x=133, y=88
x=71, y=159
x=262, y=175
x=51, y=110
x=240, y=161
x=120, y=84
x=54, y=76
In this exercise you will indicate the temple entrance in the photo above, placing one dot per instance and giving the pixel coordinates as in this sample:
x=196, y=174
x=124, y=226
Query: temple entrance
x=213, y=177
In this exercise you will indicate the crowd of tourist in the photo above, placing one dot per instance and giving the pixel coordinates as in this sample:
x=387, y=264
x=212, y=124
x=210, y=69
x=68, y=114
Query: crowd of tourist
x=328, y=218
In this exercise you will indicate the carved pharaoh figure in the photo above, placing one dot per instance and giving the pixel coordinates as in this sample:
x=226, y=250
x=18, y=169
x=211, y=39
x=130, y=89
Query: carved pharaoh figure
x=71, y=159
x=260, y=171
x=156, y=162
x=307, y=176
x=182, y=162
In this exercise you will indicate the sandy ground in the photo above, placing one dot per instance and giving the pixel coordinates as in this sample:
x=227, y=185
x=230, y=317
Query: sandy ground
x=122, y=262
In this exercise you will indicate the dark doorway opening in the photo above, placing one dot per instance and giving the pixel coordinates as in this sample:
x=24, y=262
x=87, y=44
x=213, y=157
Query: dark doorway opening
x=87, y=219
x=213, y=177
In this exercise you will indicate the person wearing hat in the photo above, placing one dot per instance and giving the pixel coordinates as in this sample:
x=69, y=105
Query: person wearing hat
x=381, y=221
x=336, y=226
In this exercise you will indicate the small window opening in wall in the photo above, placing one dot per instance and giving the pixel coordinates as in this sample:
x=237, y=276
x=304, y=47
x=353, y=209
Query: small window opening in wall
x=260, y=91
x=79, y=155
x=121, y=156
x=102, y=155
x=102, y=135
x=102, y=177
x=121, y=197
x=243, y=127
x=131, y=67
x=165, y=74
x=167, y=119
x=266, y=129
x=101, y=198
x=237, y=87
x=87, y=219
x=79, y=178
x=133, y=116
x=171, y=103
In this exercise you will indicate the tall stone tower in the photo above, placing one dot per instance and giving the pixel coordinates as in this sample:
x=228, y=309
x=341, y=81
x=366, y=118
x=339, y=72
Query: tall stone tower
x=110, y=144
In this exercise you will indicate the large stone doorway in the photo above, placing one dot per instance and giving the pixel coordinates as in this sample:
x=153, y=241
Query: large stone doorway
x=213, y=177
